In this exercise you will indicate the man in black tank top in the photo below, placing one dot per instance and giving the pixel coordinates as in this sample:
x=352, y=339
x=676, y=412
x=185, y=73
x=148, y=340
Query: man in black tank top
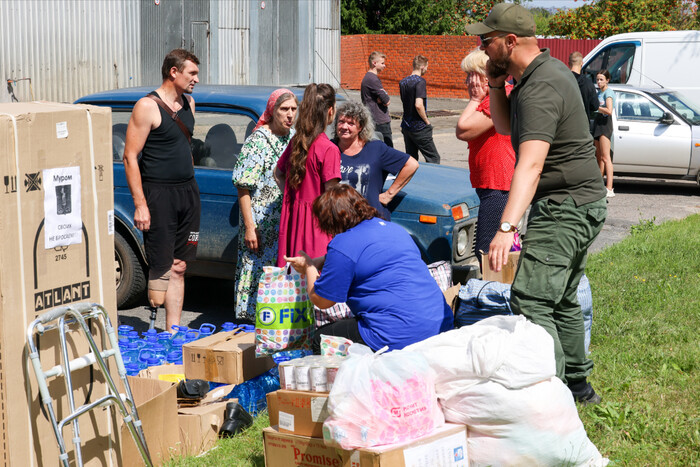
x=166, y=196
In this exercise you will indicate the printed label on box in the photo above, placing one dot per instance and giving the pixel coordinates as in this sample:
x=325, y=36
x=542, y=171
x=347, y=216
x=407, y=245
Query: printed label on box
x=355, y=459
x=319, y=409
x=286, y=421
x=110, y=222
x=62, y=130
x=62, y=208
x=450, y=451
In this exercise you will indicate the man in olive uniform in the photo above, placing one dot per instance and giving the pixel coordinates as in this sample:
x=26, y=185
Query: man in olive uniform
x=556, y=170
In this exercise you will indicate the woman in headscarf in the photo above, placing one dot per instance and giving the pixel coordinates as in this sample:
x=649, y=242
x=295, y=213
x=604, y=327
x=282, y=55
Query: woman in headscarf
x=259, y=197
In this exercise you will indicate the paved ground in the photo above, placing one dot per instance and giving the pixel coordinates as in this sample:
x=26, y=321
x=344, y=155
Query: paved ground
x=212, y=301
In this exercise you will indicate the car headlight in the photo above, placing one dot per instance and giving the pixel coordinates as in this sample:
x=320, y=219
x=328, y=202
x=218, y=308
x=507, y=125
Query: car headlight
x=462, y=242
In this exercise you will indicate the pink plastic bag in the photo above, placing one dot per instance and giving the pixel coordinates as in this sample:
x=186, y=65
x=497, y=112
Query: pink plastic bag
x=381, y=399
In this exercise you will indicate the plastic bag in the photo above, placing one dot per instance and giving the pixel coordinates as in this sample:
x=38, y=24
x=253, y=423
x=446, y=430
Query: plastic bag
x=334, y=345
x=284, y=318
x=381, y=399
x=498, y=377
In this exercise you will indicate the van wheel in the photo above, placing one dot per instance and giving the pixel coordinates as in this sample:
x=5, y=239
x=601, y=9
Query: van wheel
x=131, y=279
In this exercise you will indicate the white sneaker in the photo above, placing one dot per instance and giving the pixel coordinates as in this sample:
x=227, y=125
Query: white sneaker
x=611, y=194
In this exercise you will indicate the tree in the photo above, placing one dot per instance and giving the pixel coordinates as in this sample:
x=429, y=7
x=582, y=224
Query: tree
x=608, y=17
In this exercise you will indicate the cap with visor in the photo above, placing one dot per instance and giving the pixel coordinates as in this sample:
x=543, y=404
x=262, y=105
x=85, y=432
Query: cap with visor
x=505, y=17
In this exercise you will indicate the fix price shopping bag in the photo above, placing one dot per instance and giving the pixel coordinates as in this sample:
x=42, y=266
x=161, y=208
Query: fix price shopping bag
x=284, y=318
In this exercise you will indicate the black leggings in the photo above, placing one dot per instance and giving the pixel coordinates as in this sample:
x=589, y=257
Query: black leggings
x=343, y=328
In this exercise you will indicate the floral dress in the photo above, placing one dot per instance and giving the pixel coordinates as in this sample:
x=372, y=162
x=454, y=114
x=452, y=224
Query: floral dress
x=253, y=171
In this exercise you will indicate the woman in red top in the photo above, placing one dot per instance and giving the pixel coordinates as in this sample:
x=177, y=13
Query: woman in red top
x=309, y=165
x=491, y=155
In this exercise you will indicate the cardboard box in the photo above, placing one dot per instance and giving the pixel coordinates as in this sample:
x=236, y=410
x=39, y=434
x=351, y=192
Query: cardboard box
x=298, y=412
x=507, y=273
x=224, y=357
x=446, y=447
x=191, y=430
x=452, y=297
x=56, y=206
x=156, y=403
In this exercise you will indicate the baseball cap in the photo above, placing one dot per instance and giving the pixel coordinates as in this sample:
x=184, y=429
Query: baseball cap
x=505, y=17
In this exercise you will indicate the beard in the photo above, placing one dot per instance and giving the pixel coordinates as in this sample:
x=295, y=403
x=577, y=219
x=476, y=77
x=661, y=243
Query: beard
x=496, y=67
x=498, y=63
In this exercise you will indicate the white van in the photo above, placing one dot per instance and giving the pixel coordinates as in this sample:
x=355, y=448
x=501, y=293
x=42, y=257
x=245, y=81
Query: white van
x=668, y=59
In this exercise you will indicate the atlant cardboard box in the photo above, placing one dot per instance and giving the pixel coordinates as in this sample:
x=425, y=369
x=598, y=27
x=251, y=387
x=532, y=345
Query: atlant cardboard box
x=57, y=228
x=224, y=357
x=298, y=412
x=445, y=447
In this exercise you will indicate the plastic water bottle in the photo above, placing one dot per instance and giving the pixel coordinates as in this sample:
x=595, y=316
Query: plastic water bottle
x=132, y=369
x=191, y=335
x=164, y=340
x=180, y=331
x=247, y=327
x=206, y=330
x=228, y=326
x=153, y=361
x=131, y=355
x=133, y=336
x=176, y=344
x=150, y=332
x=123, y=330
x=174, y=357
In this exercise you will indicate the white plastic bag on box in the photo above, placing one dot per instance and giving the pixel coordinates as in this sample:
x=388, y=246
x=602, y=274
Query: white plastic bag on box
x=381, y=399
x=498, y=377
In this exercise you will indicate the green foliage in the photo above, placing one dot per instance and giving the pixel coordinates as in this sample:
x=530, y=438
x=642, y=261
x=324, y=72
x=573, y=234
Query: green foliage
x=605, y=18
x=435, y=17
x=645, y=225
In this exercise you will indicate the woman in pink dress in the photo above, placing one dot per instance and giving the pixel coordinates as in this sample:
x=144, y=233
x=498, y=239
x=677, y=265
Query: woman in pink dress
x=309, y=165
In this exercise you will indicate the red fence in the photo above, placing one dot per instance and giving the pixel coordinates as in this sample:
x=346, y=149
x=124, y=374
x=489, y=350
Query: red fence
x=445, y=78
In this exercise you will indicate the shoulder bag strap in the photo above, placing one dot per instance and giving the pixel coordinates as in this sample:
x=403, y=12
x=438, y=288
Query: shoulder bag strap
x=173, y=115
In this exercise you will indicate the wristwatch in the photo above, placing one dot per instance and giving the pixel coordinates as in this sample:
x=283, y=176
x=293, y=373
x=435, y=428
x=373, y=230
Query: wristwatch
x=508, y=227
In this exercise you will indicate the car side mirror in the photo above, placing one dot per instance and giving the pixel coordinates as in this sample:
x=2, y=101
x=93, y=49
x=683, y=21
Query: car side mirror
x=667, y=119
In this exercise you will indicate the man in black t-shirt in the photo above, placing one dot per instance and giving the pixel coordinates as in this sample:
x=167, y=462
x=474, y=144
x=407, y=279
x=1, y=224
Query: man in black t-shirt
x=415, y=126
x=585, y=85
x=166, y=196
x=376, y=98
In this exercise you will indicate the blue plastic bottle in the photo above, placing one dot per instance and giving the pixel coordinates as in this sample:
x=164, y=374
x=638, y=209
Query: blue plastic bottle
x=206, y=330
x=153, y=361
x=180, y=331
x=131, y=354
x=191, y=335
x=228, y=326
x=176, y=344
x=164, y=340
x=174, y=357
x=123, y=330
x=150, y=332
x=132, y=369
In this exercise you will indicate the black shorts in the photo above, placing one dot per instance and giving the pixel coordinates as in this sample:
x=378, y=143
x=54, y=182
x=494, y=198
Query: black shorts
x=174, y=232
x=602, y=126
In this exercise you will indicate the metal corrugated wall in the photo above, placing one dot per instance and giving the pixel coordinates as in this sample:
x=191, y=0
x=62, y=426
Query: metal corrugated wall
x=562, y=48
x=231, y=42
x=327, y=42
x=69, y=48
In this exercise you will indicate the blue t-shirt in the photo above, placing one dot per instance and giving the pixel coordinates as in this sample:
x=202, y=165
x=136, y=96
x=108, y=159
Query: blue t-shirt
x=367, y=170
x=602, y=96
x=376, y=268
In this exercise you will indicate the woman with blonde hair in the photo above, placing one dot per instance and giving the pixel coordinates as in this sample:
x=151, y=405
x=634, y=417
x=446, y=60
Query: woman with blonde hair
x=491, y=155
x=309, y=165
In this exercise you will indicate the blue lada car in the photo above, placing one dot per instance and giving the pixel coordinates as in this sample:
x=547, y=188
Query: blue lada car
x=438, y=207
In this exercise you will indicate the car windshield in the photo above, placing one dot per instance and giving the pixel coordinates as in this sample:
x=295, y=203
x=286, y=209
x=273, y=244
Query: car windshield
x=682, y=105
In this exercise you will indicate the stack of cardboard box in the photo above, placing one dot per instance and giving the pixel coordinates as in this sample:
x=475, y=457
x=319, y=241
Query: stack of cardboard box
x=295, y=438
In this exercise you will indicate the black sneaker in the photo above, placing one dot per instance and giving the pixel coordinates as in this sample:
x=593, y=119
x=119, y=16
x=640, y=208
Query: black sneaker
x=585, y=395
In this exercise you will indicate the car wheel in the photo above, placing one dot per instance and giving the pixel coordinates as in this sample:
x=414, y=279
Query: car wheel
x=131, y=279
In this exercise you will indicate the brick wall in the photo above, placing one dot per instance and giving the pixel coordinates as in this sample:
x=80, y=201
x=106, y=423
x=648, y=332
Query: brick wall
x=445, y=78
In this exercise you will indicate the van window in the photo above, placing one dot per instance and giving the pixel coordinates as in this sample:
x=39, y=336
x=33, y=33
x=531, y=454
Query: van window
x=617, y=59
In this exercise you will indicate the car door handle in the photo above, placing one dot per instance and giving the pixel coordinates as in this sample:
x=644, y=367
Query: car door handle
x=623, y=128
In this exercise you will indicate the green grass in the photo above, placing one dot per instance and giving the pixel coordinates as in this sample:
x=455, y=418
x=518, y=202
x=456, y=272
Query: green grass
x=646, y=292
